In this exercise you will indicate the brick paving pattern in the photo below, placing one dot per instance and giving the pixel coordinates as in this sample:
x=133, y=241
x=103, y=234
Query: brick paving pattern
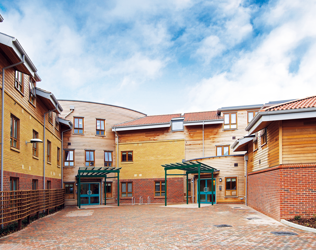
x=156, y=227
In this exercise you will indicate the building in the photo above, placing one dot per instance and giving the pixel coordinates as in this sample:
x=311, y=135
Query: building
x=29, y=113
x=281, y=159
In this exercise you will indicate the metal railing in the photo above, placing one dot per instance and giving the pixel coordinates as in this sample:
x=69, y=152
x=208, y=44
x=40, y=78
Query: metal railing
x=17, y=205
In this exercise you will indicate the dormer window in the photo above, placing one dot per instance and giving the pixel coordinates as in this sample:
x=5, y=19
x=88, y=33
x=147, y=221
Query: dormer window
x=177, y=124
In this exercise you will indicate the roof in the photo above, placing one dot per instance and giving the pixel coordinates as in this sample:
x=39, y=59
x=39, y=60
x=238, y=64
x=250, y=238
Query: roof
x=191, y=167
x=201, y=116
x=308, y=102
x=65, y=122
x=241, y=144
x=1, y=18
x=49, y=99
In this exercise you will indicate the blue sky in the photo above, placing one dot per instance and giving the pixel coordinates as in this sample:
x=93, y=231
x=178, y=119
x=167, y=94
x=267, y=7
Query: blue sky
x=171, y=56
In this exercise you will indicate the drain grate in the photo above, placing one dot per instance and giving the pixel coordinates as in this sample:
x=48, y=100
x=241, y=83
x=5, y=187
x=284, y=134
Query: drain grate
x=282, y=233
x=223, y=225
x=253, y=218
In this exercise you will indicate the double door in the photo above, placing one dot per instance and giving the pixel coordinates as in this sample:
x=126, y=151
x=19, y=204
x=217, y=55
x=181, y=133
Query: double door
x=90, y=193
x=206, y=191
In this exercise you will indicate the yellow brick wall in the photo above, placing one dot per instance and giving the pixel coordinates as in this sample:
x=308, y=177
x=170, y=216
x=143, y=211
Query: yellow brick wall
x=148, y=158
x=22, y=161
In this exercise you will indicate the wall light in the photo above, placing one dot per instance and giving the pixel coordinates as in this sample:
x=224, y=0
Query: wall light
x=220, y=179
x=34, y=141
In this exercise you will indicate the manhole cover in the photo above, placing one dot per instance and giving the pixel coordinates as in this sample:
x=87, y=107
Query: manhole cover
x=223, y=225
x=283, y=233
x=253, y=218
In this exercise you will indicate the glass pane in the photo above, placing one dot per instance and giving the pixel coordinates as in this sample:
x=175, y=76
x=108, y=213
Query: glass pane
x=157, y=194
x=226, y=119
x=250, y=116
x=209, y=186
x=94, y=200
x=219, y=151
x=202, y=198
x=226, y=126
x=130, y=156
x=102, y=132
x=80, y=123
x=15, y=129
x=98, y=125
x=163, y=186
x=91, y=156
x=233, y=118
x=226, y=150
x=202, y=185
x=98, y=132
x=130, y=195
x=227, y=180
x=233, y=185
x=157, y=186
x=130, y=187
x=94, y=188
x=106, y=156
x=84, y=200
x=76, y=123
x=123, y=187
x=110, y=156
x=66, y=163
x=102, y=125
x=233, y=126
x=123, y=156
x=84, y=188
x=177, y=125
x=71, y=163
x=71, y=155
x=87, y=164
x=123, y=194
x=87, y=156
x=80, y=131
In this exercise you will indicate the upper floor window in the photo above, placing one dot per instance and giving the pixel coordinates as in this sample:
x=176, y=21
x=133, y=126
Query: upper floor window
x=177, y=124
x=58, y=156
x=255, y=143
x=32, y=97
x=56, y=122
x=50, y=117
x=127, y=156
x=14, y=132
x=222, y=150
x=230, y=121
x=100, y=127
x=69, y=158
x=89, y=158
x=263, y=135
x=35, y=149
x=49, y=150
x=18, y=81
x=78, y=125
x=251, y=115
x=107, y=158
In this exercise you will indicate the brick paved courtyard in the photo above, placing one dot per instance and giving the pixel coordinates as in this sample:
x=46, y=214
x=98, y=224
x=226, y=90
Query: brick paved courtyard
x=156, y=227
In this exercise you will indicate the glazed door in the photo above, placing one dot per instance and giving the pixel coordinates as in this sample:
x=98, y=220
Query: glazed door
x=206, y=193
x=90, y=194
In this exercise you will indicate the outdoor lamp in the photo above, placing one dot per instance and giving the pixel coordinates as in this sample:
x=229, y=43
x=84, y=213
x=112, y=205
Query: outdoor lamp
x=34, y=141
x=220, y=179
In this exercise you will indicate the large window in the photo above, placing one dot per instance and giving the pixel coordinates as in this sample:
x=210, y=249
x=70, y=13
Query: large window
x=109, y=189
x=230, y=121
x=127, y=156
x=34, y=184
x=78, y=125
x=32, y=97
x=222, y=150
x=89, y=158
x=100, y=127
x=69, y=158
x=107, y=158
x=251, y=115
x=18, y=81
x=127, y=189
x=160, y=188
x=14, y=184
x=58, y=156
x=231, y=186
x=35, y=146
x=49, y=151
x=177, y=125
x=14, y=132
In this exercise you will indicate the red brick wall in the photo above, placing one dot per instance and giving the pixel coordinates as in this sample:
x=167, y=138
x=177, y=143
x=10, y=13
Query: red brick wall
x=25, y=181
x=146, y=187
x=284, y=191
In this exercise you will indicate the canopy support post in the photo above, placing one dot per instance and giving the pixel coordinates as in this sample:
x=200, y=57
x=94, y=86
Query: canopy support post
x=105, y=190
x=79, y=189
x=166, y=190
x=198, y=186
x=118, y=188
x=212, y=187
x=187, y=188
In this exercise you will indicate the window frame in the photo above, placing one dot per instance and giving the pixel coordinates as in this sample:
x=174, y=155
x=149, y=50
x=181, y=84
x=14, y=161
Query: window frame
x=17, y=83
x=230, y=123
x=99, y=130
x=222, y=147
x=78, y=128
x=85, y=157
x=106, y=162
x=12, y=127
x=231, y=190
x=254, y=113
x=121, y=190
x=35, y=181
x=73, y=158
x=160, y=191
x=49, y=152
x=12, y=179
x=177, y=121
x=127, y=156
x=32, y=92
x=34, y=145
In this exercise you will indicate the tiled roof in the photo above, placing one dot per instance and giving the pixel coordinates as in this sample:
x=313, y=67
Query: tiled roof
x=161, y=119
x=201, y=116
x=308, y=102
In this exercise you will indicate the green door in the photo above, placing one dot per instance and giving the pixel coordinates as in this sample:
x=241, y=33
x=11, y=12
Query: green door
x=206, y=193
x=90, y=194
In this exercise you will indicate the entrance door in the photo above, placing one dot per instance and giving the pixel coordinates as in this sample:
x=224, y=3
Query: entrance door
x=90, y=194
x=206, y=193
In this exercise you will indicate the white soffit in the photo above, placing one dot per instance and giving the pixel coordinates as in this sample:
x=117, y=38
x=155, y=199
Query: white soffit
x=205, y=123
x=141, y=127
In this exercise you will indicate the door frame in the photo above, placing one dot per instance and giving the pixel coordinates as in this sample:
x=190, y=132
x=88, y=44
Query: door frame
x=87, y=195
x=210, y=192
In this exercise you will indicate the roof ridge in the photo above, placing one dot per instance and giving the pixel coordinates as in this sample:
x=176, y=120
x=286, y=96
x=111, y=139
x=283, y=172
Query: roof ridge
x=129, y=121
x=200, y=112
x=289, y=102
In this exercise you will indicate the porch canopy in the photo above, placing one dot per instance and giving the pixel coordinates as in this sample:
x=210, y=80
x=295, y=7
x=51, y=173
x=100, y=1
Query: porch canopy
x=190, y=167
x=93, y=172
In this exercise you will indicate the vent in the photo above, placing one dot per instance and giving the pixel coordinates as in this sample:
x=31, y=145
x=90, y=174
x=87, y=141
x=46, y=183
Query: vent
x=223, y=225
x=69, y=143
x=234, y=137
x=282, y=233
x=259, y=161
x=235, y=164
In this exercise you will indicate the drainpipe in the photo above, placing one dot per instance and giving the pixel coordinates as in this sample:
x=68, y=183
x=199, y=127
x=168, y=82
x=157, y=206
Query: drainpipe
x=44, y=146
x=203, y=139
x=246, y=197
x=2, y=114
x=192, y=193
x=117, y=158
x=62, y=156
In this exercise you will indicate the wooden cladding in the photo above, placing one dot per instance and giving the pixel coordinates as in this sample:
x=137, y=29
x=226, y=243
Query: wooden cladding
x=78, y=125
x=230, y=121
x=14, y=132
x=127, y=156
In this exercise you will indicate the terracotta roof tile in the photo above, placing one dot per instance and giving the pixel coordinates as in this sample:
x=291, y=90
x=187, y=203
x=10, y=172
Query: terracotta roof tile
x=201, y=116
x=147, y=120
x=308, y=102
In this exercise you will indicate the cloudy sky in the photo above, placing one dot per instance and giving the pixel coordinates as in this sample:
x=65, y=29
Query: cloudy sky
x=162, y=57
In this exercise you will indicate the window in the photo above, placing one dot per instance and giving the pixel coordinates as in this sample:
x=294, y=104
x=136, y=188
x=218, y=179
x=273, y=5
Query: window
x=100, y=127
x=58, y=156
x=14, y=132
x=251, y=115
x=127, y=189
x=49, y=146
x=222, y=150
x=231, y=186
x=255, y=143
x=35, y=149
x=18, y=81
x=89, y=158
x=263, y=135
x=107, y=159
x=69, y=188
x=32, y=97
x=127, y=156
x=14, y=184
x=34, y=184
x=56, y=122
x=69, y=158
x=177, y=125
x=50, y=117
x=230, y=121
x=49, y=185
x=159, y=188
x=78, y=127
x=189, y=187
x=109, y=189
